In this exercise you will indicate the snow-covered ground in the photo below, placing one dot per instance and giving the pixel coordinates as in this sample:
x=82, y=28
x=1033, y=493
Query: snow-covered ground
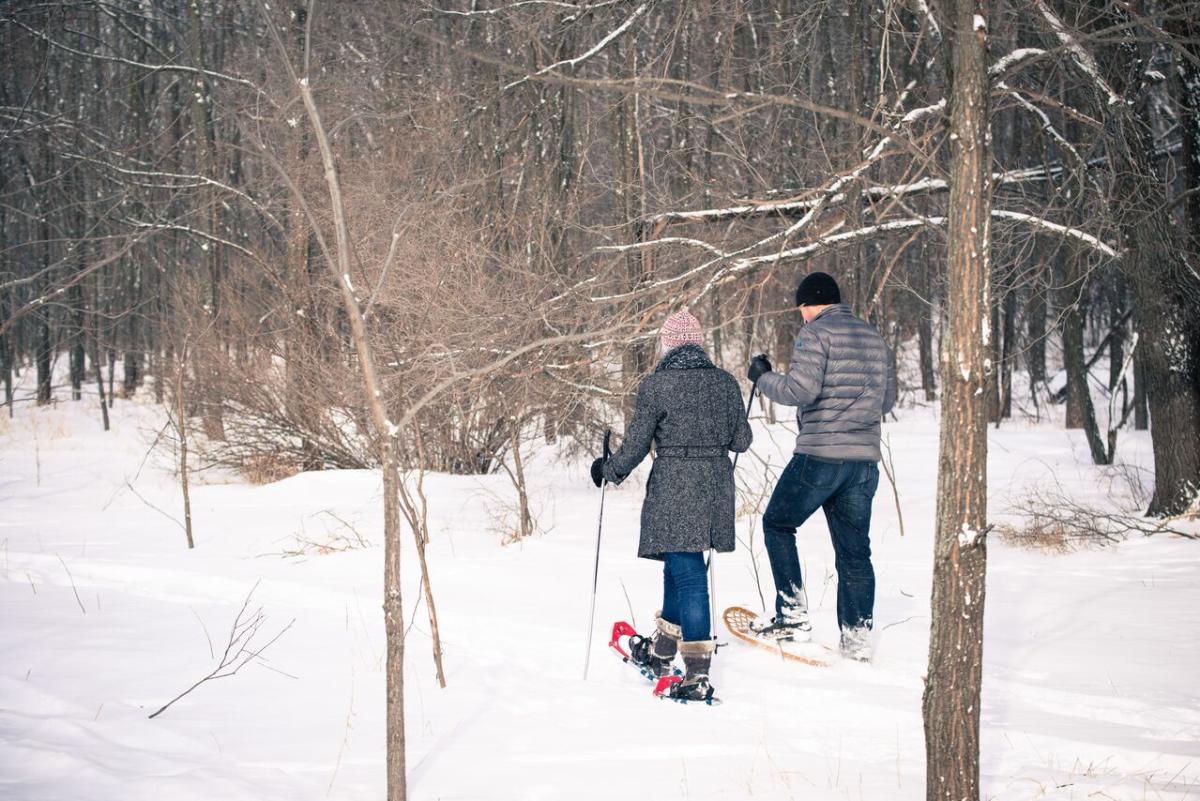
x=1090, y=687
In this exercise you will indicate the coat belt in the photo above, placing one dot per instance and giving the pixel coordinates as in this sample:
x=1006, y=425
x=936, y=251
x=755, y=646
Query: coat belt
x=691, y=451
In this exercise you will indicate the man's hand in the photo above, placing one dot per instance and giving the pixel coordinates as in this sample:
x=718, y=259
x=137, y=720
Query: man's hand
x=758, y=365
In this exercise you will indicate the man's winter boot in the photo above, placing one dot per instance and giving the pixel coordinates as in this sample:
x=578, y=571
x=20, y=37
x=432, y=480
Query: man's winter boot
x=697, y=659
x=655, y=654
x=790, y=625
x=856, y=643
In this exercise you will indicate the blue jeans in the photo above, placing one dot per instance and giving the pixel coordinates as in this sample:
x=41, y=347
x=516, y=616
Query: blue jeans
x=685, y=594
x=845, y=491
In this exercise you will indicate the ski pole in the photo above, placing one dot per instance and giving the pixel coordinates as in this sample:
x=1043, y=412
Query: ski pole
x=587, y=657
x=712, y=555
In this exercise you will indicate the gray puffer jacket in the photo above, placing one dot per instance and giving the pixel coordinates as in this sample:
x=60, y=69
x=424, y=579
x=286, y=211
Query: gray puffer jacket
x=843, y=380
x=693, y=414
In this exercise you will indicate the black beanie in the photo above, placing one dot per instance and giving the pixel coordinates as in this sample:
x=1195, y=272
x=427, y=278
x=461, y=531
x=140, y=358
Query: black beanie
x=818, y=289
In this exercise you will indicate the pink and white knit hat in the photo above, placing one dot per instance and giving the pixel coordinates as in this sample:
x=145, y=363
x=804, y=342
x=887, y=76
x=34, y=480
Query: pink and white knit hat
x=681, y=328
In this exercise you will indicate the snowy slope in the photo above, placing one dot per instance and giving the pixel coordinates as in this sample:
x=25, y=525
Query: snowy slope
x=1091, y=657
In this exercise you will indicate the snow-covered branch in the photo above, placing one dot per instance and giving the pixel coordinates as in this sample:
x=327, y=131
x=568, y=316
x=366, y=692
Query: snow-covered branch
x=491, y=12
x=830, y=240
x=1094, y=242
x=870, y=194
x=666, y=240
x=1014, y=58
x=1047, y=126
x=193, y=232
x=593, y=50
x=1082, y=57
x=824, y=242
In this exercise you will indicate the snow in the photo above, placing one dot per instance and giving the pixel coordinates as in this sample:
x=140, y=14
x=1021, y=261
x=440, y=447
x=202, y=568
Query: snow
x=1002, y=65
x=1090, y=659
x=967, y=538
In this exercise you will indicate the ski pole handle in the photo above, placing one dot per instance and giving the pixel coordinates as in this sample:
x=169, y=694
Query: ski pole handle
x=607, y=442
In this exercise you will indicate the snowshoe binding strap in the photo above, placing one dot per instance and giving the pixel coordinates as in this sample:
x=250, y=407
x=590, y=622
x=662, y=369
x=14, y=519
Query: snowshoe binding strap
x=673, y=688
x=641, y=650
x=622, y=629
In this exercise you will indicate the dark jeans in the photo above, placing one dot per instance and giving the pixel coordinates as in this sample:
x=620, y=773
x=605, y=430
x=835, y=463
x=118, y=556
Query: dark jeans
x=685, y=594
x=844, y=490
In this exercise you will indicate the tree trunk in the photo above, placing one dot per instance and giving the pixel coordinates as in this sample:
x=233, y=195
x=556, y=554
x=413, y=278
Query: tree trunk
x=44, y=346
x=925, y=325
x=6, y=359
x=1072, y=317
x=78, y=333
x=1006, y=352
x=133, y=356
x=393, y=609
x=181, y=430
x=212, y=419
x=1035, y=332
x=1186, y=30
x=7, y=304
x=993, y=389
x=1166, y=294
x=1141, y=410
x=112, y=371
x=1079, y=396
x=96, y=364
x=639, y=355
x=951, y=704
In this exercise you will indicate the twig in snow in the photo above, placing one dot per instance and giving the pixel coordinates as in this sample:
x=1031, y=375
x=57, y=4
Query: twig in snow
x=211, y=654
x=155, y=508
x=345, y=736
x=73, y=589
x=239, y=650
x=629, y=603
x=898, y=622
x=1054, y=521
x=752, y=505
x=889, y=469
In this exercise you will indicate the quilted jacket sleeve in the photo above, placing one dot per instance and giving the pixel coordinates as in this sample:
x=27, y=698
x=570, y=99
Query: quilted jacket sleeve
x=802, y=383
x=890, y=390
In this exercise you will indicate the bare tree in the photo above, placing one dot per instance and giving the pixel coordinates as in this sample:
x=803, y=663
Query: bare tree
x=951, y=705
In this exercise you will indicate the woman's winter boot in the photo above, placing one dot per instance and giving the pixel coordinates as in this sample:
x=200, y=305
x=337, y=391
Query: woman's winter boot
x=697, y=659
x=656, y=654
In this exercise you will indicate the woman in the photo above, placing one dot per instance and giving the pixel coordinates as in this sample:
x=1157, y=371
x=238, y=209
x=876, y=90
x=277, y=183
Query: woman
x=692, y=411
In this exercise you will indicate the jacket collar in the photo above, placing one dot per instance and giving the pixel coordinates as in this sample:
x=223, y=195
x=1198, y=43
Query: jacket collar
x=833, y=310
x=684, y=357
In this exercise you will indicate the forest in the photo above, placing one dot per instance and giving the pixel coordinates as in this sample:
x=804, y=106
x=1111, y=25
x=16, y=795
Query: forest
x=439, y=237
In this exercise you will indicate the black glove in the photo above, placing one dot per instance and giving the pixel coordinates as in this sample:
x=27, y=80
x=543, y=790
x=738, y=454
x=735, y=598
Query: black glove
x=758, y=365
x=598, y=470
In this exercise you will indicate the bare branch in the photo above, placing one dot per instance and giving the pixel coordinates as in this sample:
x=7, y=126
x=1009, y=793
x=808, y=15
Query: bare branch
x=240, y=648
x=572, y=62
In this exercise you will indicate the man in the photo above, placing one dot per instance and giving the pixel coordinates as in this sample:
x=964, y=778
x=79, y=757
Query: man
x=842, y=381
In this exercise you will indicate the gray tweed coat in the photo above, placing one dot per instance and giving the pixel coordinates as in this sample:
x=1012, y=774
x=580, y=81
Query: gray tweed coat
x=693, y=414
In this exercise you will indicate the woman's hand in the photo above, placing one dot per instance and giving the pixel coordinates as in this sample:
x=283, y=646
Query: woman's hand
x=598, y=470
